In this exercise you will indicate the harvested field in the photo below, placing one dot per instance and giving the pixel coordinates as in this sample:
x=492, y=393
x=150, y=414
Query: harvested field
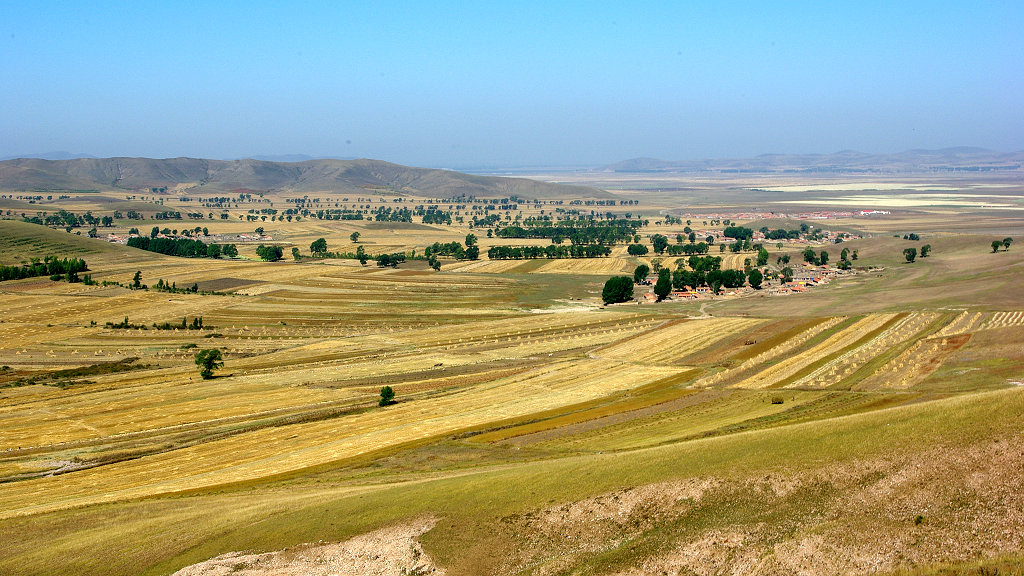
x=790, y=369
x=831, y=374
x=916, y=363
x=1003, y=319
x=674, y=341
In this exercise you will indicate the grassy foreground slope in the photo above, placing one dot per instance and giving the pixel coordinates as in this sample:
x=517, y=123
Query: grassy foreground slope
x=916, y=485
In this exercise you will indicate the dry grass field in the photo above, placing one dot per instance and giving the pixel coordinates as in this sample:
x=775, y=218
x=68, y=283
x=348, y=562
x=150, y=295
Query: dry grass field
x=870, y=425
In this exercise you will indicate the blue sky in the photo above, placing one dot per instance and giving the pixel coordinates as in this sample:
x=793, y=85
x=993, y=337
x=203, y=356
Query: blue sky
x=464, y=84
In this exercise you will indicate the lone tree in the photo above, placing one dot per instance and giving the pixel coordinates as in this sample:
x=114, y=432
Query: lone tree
x=663, y=286
x=617, y=289
x=910, y=254
x=318, y=247
x=354, y=236
x=659, y=242
x=137, y=279
x=640, y=273
x=1006, y=242
x=755, y=278
x=995, y=245
x=208, y=361
x=925, y=250
x=387, y=396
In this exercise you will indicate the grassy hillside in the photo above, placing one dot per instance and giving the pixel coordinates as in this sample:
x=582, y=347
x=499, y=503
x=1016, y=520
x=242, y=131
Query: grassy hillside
x=884, y=490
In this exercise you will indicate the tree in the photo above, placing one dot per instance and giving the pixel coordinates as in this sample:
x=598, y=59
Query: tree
x=755, y=278
x=208, y=361
x=659, y=242
x=361, y=255
x=229, y=250
x=762, y=257
x=1006, y=242
x=995, y=245
x=354, y=236
x=823, y=258
x=617, y=289
x=269, y=253
x=636, y=249
x=137, y=279
x=295, y=253
x=319, y=246
x=809, y=255
x=787, y=274
x=925, y=250
x=154, y=231
x=472, y=252
x=910, y=254
x=663, y=286
x=259, y=231
x=471, y=239
x=387, y=396
x=640, y=273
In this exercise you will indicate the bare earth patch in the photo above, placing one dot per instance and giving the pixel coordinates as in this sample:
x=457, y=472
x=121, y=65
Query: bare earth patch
x=391, y=551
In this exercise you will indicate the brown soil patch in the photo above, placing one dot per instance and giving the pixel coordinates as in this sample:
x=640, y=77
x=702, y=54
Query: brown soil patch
x=392, y=551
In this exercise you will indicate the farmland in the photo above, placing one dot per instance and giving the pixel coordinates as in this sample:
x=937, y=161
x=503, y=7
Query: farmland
x=536, y=430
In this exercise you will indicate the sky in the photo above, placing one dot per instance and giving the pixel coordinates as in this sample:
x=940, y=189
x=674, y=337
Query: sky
x=509, y=84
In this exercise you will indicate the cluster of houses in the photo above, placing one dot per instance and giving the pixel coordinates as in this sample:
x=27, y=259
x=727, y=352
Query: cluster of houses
x=807, y=277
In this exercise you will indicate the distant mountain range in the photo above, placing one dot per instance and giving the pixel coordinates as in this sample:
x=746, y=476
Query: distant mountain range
x=326, y=175
x=849, y=161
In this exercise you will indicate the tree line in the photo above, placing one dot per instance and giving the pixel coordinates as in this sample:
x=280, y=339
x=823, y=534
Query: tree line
x=183, y=247
x=51, y=266
x=552, y=251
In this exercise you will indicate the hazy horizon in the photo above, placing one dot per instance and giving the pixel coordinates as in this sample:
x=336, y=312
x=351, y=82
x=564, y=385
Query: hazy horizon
x=446, y=85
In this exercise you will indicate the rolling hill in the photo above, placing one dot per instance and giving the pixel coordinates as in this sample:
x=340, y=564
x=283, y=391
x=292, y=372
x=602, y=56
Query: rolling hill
x=345, y=176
